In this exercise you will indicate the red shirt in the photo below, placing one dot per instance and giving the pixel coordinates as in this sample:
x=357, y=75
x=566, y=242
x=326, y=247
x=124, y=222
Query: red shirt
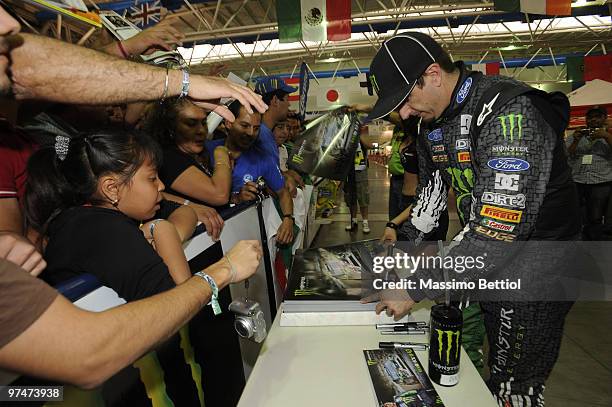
x=15, y=150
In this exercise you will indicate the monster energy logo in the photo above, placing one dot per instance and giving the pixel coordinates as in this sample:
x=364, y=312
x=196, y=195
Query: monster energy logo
x=449, y=336
x=463, y=183
x=509, y=123
x=374, y=83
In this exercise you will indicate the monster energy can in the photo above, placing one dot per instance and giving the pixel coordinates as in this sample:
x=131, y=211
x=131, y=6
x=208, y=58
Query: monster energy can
x=445, y=344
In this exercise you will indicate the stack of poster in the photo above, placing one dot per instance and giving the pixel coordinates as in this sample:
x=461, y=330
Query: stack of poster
x=326, y=286
x=399, y=379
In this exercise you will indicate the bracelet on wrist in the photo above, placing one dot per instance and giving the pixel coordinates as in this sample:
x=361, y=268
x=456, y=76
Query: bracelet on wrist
x=392, y=225
x=214, y=298
x=165, y=92
x=122, y=50
x=152, y=226
x=184, y=84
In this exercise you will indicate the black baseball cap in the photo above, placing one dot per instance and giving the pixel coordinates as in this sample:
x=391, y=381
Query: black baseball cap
x=597, y=111
x=397, y=66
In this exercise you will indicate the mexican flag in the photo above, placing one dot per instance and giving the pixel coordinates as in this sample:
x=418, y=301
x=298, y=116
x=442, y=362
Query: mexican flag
x=544, y=7
x=313, y=20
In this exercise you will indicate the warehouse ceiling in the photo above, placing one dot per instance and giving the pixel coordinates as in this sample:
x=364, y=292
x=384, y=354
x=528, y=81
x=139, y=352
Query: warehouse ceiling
x=242, y=34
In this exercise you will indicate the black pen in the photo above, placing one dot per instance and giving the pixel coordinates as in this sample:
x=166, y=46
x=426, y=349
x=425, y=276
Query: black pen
x=404, y=332
x=406, y=329
x=402, y=345
x=413, y=324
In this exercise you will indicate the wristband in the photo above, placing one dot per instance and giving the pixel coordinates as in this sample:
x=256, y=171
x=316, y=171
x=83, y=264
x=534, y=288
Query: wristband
x=152, y=226
x=122, y=50
x=214, y=300
x=185, y=88
x=289, y=216
x=391, y=225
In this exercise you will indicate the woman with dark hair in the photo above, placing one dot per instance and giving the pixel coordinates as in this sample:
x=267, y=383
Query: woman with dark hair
x=180, y=127
x=88, y=195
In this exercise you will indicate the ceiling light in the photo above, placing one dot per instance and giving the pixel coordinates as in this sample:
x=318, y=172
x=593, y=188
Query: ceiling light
x=330, y=60
x=583, y=3
x=510, y=47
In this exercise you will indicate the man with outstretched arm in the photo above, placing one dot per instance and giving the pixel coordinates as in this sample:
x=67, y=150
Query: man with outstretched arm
x=42, y=333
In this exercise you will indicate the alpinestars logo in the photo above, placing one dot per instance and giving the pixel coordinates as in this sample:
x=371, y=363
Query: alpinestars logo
x=487, y=109
x=511, y=124
x=450, y=337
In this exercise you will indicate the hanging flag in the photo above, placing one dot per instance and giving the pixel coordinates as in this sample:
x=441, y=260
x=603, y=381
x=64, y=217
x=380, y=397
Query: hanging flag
x=575, y=69
x=543, y=7
x=304, y=85
x=366, y=83
x=598, y=67
x=295, y=82
x=313, y=20
x=338, y=20
x=145, y=13
x=490, y=68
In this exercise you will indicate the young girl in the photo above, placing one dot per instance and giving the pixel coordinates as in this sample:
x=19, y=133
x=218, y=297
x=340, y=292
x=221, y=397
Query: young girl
x=88, y=196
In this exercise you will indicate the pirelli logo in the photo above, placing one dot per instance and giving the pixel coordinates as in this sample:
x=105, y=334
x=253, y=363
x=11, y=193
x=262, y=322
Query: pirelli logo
x=463, y=157
x=502, y=214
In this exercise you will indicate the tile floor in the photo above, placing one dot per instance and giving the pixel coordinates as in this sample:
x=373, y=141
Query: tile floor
x=582, y=376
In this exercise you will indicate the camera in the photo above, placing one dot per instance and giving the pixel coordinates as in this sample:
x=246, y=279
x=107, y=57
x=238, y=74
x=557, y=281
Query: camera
x=589, y=131
x=250, y=322
x=261, y=184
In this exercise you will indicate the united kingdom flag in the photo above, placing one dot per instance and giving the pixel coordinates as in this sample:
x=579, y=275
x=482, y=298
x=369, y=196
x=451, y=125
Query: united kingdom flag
x=145, y=13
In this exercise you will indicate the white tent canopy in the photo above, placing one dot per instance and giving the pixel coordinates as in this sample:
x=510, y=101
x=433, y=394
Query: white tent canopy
x=595, y=92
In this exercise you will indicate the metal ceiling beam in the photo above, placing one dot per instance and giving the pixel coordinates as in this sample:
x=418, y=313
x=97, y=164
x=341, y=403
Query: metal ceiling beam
x=266, y=28
x=475, y=47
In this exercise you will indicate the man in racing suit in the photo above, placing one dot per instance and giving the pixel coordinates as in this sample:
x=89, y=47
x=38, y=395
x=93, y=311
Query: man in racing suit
x=507, y=167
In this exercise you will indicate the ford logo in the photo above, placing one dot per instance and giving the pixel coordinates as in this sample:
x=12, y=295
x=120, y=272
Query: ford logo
x=465, y=89
x=435, y=135
x=508, y=164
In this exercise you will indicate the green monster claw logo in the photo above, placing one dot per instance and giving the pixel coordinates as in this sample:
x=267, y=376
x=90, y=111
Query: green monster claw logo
x=463, y=183
x=449, y=335
x=509, y=123
x=374, y=83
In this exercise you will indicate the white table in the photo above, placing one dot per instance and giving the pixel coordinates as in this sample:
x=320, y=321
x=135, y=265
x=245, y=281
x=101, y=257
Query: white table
x=325, y=366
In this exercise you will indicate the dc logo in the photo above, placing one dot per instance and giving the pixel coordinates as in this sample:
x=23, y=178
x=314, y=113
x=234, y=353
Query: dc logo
x=247, y=178
x=509, y=182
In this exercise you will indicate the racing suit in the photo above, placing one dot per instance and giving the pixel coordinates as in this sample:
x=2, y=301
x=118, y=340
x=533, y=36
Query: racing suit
x=533, y=197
